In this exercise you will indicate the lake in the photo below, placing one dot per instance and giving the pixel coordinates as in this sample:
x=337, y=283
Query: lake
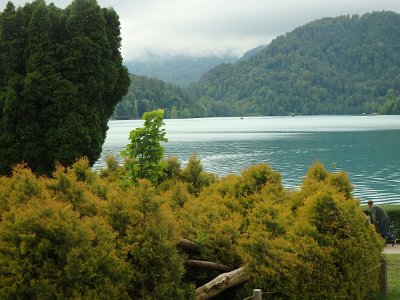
x=367, y=147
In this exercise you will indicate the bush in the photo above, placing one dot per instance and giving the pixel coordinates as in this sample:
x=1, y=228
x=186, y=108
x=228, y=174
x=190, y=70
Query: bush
x=148, y=236
x=195, y=176
x=60, y=239
x=82, y=235
x=48, y=252
x=393, y=212
x=319, y=248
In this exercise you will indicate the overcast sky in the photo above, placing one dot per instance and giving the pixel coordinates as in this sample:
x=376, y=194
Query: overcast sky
x=204, y=27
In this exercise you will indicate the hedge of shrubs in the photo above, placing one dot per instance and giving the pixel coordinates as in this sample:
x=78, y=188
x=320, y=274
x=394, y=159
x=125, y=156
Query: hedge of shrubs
x=86, y=234
x=393, y=212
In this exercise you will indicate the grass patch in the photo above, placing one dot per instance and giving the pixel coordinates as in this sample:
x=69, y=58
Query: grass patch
x=393, y=277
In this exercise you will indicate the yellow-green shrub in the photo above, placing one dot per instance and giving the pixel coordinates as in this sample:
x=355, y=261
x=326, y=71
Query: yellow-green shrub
x=61, y=239
x=48, y=252
x=148, y=235
x=64, y=186
x=213, y=226
x=195, y=176
x=319, y=248
x=19, y=188
x=57, y=233
x=256, y=177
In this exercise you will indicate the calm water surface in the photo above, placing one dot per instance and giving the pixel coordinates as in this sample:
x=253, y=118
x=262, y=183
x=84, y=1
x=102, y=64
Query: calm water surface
x=366, y=147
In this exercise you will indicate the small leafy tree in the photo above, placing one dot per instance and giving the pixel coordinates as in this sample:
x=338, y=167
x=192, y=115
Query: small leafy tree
x=144, y=152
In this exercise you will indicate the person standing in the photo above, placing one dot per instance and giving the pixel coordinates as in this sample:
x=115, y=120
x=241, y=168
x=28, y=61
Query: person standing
x=380, y=219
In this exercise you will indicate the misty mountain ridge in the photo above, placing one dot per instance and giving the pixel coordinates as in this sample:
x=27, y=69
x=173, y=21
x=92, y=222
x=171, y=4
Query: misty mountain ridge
x=182, y=70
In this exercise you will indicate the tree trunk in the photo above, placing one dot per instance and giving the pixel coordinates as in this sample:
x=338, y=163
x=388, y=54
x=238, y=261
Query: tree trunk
x=221, y=283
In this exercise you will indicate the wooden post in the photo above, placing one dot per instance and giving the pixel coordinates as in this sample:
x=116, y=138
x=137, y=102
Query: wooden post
x=383, y=277
x=257, y=294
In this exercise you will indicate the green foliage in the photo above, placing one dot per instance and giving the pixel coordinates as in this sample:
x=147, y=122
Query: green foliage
x=60, y=239
x=393, y=277
x=61, y=77
x=342, y=65
x=147, y=94
x=317, y=177
x=172, y=167
x=144, y=153
x=313, y=243
x=195, y=176
x=392, y=103
x=48, y=253
x=322, y=249
x=81, y=234
x=150, y=243
x=113, y=170
x=258, y=176
x=215, y=227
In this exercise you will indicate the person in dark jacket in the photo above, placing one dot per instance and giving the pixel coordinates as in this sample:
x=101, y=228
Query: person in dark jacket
x=380, y=219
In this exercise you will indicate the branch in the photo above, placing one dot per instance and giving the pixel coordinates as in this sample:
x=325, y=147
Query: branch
x=221, y=283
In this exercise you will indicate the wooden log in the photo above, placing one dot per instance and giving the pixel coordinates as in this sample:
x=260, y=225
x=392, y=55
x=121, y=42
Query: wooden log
x=222, y=283
x=188, y=245
x=207, y=265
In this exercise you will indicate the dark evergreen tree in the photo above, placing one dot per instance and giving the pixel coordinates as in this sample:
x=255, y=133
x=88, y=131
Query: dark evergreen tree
x=61, y=77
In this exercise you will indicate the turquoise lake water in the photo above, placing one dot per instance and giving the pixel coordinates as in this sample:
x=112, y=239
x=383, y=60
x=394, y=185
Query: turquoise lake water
x=366, y=147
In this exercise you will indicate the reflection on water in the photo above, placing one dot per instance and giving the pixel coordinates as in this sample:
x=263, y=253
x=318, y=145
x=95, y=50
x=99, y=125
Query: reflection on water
x=366, y=147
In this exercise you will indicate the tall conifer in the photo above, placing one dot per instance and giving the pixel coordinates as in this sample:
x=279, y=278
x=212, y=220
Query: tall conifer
x=62, y=77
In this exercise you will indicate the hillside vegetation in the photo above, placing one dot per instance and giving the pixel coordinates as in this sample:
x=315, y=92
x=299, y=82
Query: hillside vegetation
x=85, y=235
x=342, y=65
x=147, y=94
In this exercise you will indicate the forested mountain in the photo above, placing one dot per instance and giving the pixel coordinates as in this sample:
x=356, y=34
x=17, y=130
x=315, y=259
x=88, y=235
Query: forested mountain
x=180, y=70
x=249, y=54
x=146, y=94
x=342, y=65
